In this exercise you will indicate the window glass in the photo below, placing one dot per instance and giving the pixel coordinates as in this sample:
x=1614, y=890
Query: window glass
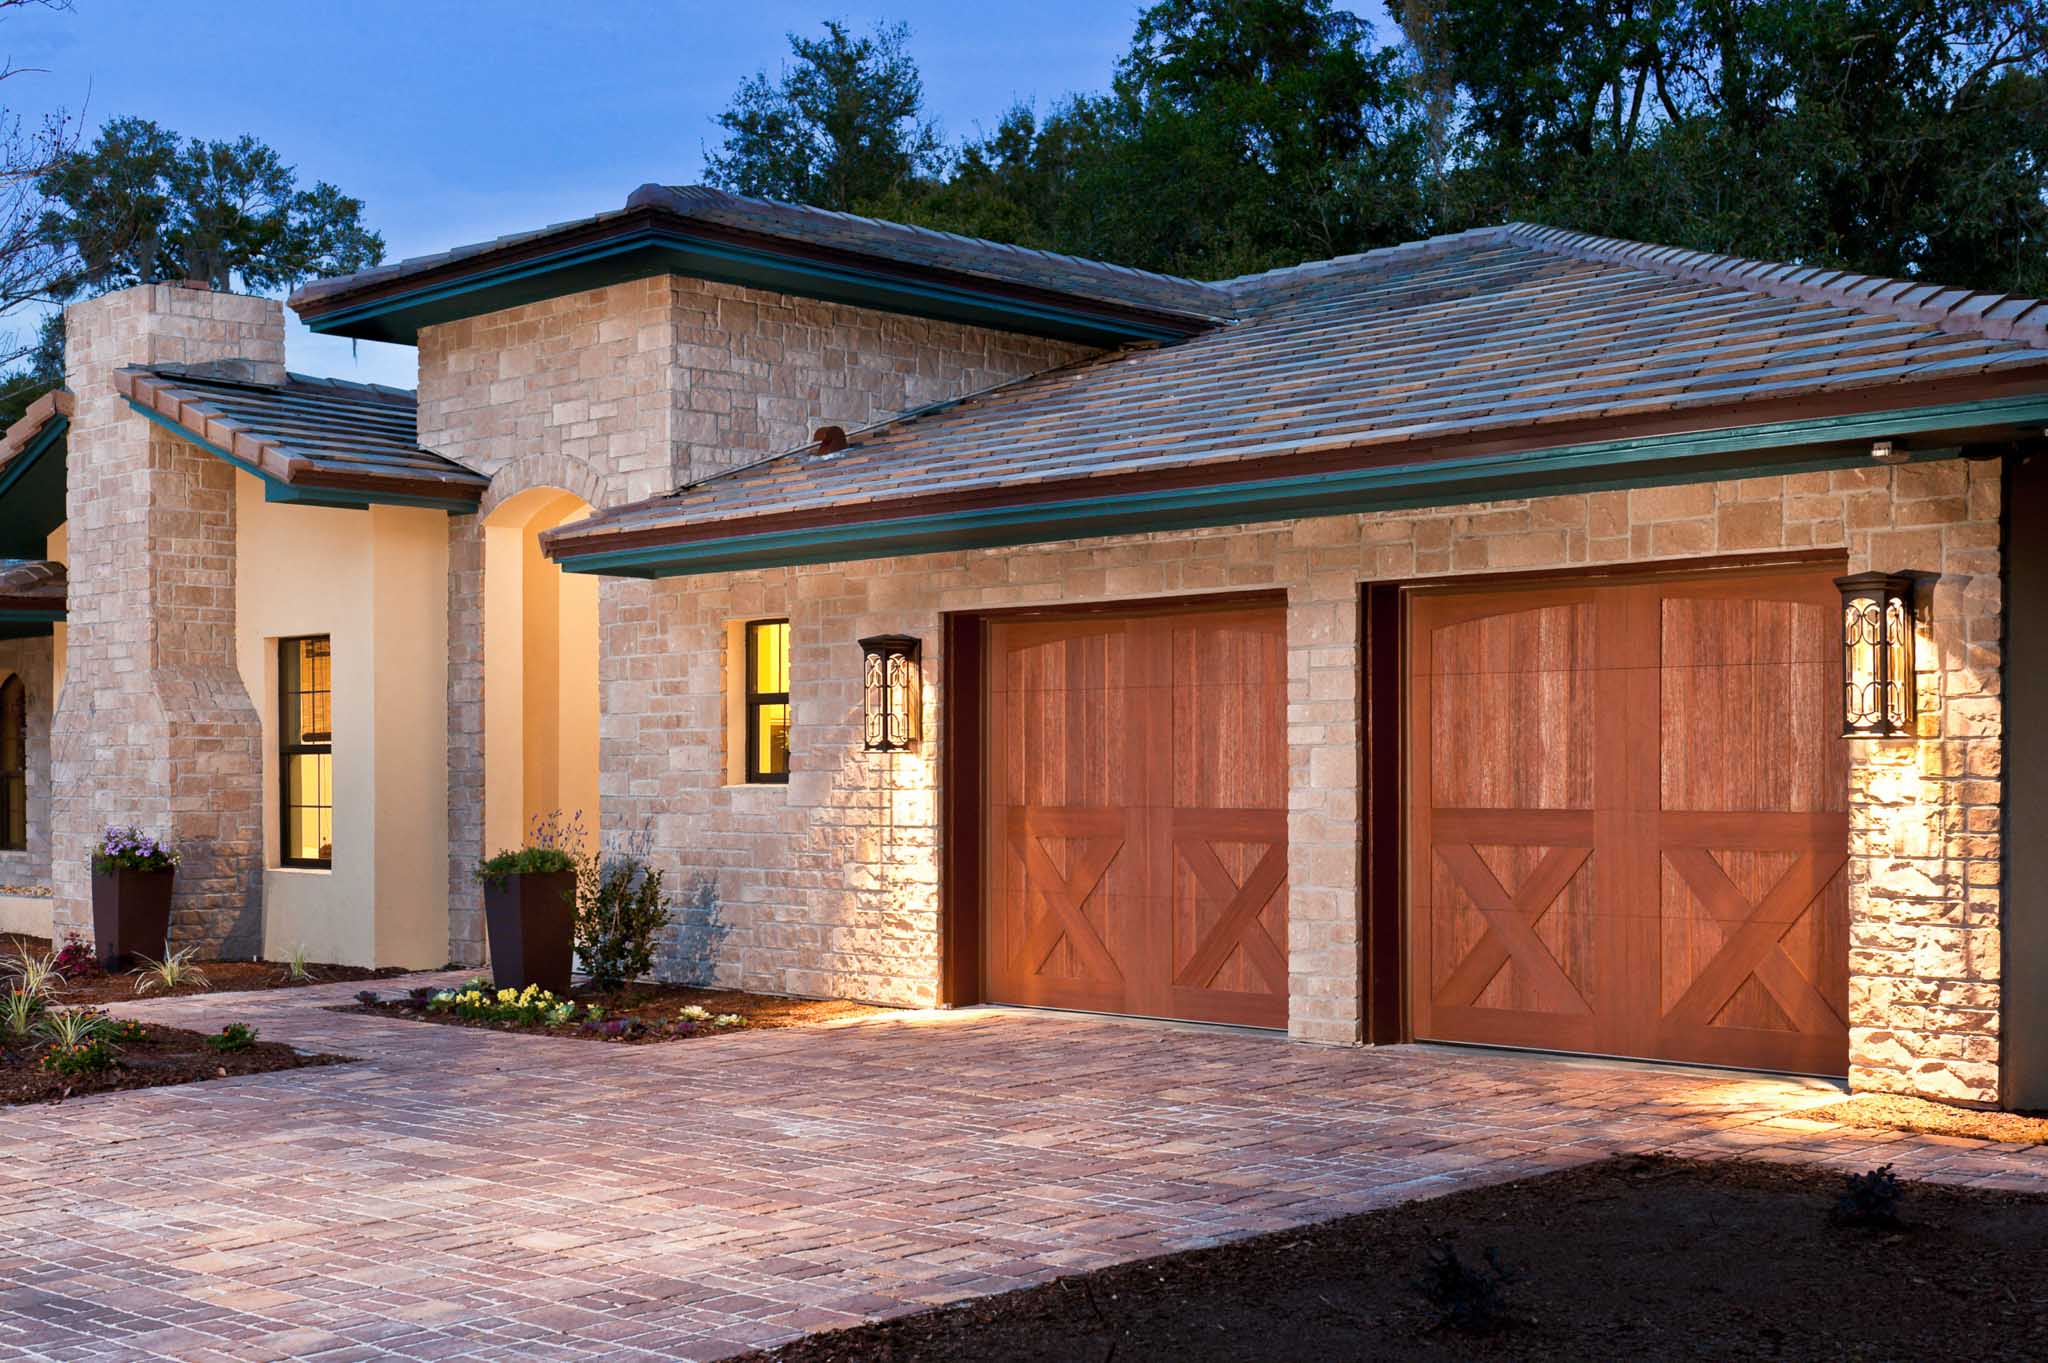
x=13, y=765
x=767, y=736
x=306, y=750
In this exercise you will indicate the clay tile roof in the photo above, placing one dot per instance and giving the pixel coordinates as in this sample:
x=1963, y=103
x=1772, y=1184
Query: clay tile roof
x=305, y=432
x=31, y=585
x=22, y=434
x=1501, y=334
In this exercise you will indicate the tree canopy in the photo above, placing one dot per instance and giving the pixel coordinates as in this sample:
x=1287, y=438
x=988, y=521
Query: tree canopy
x=141, y=204
x=1901, y=137
x=842, y=126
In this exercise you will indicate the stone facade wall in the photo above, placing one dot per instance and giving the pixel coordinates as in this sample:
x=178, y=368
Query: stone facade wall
x=154, y=726
x=624, y=392
x=30, y=660
x=829, y=885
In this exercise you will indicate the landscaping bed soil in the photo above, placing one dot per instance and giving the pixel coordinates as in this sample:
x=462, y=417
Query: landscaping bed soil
x=1897, y=1112
x=166, y=1055
x=222, y=977
x=659, y=1008
x=1634, y=1257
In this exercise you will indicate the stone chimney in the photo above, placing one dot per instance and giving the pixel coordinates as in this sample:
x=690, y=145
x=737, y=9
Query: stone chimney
x=154, y=726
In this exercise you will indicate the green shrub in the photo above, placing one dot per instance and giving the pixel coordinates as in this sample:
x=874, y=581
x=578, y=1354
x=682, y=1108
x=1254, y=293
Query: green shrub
x=553, y=843
x=175, y=971
x=19, y=1011
x=236, y=1036
x=32, y=974
x=86, y=1057
x=69, y=1027
x=1871, y=1199
x=619, y=913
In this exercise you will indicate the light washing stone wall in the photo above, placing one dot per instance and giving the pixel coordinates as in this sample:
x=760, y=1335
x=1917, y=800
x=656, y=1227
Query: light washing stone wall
x=154, y=726
x=622, y=393
x=828, y=886
x=29, y=659
x=371, y=580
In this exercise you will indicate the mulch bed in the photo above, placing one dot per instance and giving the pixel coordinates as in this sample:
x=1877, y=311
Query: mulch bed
x=165, y=1055
x=1900, y=1113
x=1634, y=1257
x=222, y=977
x=657, y=1008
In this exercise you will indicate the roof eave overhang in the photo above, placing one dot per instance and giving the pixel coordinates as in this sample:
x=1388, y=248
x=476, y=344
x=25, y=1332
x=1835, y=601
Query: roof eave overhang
x=1831, y=442
x=644, y=243
x=295, y=488
x=32, y=492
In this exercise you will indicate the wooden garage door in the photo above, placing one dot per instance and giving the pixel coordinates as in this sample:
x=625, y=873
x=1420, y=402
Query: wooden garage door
x=1135, y=838
x=1627, y=820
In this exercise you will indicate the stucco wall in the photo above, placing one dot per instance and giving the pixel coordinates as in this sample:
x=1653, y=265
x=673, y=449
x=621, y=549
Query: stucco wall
x=829, y=885
x=623, y=392
x=371, y=580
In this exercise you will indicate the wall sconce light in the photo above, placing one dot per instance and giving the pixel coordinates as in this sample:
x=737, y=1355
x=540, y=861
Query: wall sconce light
x=1877, y=655
x=889, y=685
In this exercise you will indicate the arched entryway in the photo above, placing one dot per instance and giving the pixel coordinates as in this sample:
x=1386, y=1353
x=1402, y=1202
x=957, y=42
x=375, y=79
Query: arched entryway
x=540, y=673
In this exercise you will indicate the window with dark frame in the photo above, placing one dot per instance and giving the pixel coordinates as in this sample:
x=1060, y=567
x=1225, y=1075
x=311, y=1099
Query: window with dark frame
x=767, y=735
x=13, y=766
x=305, y=714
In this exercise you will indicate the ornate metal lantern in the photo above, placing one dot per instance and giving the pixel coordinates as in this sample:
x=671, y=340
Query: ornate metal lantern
x=1877, y=655
x=889, y=683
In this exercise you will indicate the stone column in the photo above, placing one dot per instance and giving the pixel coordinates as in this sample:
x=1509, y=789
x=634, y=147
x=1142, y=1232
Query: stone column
x=154, y=726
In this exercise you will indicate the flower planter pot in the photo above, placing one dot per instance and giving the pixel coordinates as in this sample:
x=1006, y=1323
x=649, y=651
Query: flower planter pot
x=531, y=920
x=131, y=912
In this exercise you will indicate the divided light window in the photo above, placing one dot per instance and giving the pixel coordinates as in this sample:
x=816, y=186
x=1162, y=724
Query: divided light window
x=305, y=711
x=768, y=701
x=13, y=765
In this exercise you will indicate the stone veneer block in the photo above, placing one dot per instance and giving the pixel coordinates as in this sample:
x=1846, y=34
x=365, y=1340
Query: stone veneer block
x=154, y=726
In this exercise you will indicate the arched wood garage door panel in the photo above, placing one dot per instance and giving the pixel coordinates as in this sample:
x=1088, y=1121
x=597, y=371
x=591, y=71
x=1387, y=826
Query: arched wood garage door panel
x=1135, y=825
x=1627, y=819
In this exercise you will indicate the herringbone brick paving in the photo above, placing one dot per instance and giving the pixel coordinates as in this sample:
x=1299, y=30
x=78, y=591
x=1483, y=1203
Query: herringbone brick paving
x=472, y=1195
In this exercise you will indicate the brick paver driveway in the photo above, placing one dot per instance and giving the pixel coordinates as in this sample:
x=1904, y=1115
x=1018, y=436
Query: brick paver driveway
x=478, y=1196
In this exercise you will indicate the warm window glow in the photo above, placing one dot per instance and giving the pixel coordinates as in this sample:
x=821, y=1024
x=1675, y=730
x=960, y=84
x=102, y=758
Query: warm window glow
x=306, y=750
x=768, y=700
x=13, y=765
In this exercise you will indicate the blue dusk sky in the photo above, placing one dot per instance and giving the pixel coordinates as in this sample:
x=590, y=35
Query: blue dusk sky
x=458, y=122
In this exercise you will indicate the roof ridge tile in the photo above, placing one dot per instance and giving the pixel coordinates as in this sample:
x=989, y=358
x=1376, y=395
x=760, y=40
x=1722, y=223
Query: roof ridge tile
x=1944, y=307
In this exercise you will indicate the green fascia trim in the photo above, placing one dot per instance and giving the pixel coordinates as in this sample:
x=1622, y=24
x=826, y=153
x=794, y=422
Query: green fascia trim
x=1776, y=448
x=32, y=491
x=29, y=624
x=399, y=317
x=276, y=490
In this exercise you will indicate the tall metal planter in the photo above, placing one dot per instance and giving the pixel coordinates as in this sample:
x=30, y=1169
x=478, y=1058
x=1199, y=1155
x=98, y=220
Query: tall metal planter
x=531, y=923
x=131, y=912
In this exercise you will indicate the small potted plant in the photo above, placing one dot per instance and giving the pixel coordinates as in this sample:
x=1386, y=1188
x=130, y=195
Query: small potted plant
x=132, y=875
x=530, y=905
